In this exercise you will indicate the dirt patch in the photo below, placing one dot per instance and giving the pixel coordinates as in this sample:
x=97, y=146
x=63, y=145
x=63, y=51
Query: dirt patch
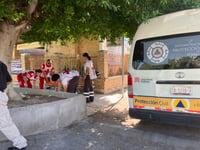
x=117, y=114
x=32, y=99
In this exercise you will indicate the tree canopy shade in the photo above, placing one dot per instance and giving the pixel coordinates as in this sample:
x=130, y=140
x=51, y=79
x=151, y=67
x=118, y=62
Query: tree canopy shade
x=49, y=20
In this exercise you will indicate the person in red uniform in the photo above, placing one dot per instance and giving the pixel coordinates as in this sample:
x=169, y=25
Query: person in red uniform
x=47, y=69
x=27, y=77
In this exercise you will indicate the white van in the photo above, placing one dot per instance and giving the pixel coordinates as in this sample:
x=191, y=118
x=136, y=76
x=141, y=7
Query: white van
x=164, y=69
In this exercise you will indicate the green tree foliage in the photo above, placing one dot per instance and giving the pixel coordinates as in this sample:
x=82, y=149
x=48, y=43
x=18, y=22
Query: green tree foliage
x=72, y=19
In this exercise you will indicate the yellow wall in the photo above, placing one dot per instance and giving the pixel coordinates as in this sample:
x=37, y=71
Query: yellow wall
x=64, y=57
x=72, y=49
x=57, y=49
x=91, y=47
x=69, y=55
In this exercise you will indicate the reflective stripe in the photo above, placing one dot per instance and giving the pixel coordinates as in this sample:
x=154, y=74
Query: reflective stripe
x=168, y=109
x=193, y=111
x=86, y=93
x=138, y=106
x=157, y=108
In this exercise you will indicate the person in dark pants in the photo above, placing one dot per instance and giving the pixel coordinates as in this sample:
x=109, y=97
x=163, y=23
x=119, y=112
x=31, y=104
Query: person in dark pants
x=68, y=79
x=89, y=75
x=73, y=84
x=7, y=126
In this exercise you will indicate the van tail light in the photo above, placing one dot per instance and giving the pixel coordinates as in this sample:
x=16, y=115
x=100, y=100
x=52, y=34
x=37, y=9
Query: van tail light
x=130, y=86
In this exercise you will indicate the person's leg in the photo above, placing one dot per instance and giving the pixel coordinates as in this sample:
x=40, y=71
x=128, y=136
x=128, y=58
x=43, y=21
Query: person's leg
x=20, y=80
x=91, y=95
x=29, y=84
x=41, y=83
x=73, y=84
x=7, y=126
x=48, y=79
x=87, y=88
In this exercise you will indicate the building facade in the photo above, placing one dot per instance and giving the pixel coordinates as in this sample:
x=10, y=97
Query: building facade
x=107, y=59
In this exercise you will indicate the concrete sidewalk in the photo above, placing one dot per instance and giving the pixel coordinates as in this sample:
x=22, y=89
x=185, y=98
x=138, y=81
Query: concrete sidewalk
x=102, y=101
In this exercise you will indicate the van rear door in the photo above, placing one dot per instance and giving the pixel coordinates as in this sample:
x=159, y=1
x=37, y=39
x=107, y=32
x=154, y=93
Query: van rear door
x=168, y=67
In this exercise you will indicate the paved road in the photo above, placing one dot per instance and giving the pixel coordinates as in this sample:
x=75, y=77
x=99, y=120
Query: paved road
x=95, y=134
x=112, y=129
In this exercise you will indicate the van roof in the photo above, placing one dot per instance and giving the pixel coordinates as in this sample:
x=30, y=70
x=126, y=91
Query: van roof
x=186, y=21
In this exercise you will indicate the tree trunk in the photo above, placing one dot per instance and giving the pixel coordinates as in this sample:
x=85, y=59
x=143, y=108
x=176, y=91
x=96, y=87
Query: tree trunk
x=9, y=35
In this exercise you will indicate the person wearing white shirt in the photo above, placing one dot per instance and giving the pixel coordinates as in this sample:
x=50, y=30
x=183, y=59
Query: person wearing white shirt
x=68, y=80
x=89, y=75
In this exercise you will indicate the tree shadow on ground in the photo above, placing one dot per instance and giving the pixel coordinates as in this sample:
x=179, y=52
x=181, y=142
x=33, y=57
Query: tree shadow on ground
x=121, y=117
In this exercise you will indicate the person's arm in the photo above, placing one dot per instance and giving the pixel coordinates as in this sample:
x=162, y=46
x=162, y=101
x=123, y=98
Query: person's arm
x=45, y=76
x=34, y=83
x=59, y=85
x=9, y=83
x=8, y=77
x=44, y=72
x=65, y=87
x=52, y=71
x=87, y=72
x=25, y=80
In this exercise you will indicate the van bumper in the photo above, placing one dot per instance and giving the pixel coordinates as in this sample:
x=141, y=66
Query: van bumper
x=178, y=118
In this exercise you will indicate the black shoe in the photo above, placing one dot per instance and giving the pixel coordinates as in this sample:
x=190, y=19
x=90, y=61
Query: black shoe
x=15, y=148
x=91, y=99
x=87, y=100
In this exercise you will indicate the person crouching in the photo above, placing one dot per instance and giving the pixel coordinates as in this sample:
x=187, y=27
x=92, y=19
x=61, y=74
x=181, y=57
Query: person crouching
x=24, y=79
x=68, y=79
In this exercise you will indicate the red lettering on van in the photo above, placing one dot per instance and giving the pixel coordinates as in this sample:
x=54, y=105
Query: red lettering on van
x=137, y=80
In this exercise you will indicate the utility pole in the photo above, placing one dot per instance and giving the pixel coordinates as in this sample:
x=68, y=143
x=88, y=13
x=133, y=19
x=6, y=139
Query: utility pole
x=123, y=66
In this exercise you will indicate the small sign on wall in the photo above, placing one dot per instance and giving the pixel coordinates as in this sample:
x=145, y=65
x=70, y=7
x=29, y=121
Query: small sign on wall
x=16, y=66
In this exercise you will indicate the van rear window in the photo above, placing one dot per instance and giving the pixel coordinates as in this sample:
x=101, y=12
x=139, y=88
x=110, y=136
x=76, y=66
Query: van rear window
x=170, y=52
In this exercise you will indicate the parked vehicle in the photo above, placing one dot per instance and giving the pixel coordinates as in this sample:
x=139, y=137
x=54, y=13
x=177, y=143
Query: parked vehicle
x=164, y=69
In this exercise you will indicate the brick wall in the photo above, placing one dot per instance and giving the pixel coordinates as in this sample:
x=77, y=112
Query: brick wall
x=91, y=47
x=31, y=62
x=70, y=55
x=56, y=49
x=106, y=83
